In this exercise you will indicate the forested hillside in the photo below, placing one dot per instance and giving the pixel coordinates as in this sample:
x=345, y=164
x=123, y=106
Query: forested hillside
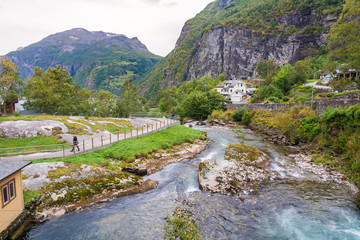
x=231, y=36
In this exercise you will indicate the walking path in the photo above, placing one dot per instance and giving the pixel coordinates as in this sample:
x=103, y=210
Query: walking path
x=100, y=140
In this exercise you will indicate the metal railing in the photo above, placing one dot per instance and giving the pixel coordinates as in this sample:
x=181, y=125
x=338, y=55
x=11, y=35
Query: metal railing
x=85, y=145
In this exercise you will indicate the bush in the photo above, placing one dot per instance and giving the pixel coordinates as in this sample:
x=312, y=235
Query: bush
x=246, y=118
x=301, y=99
x=238, y=114
x=274, y=99
x=286, y=99
x=182, y=226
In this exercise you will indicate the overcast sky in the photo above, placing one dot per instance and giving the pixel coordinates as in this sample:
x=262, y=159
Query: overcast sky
x=157, y=23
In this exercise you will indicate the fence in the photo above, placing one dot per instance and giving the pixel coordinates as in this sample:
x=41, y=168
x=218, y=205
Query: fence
x=85, y=145
x=154, y=115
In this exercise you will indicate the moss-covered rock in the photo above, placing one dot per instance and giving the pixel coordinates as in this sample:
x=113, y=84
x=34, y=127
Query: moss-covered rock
x=241, y=172
x=247, y=155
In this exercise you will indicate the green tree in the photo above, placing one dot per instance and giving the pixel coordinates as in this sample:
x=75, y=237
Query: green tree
x=52, y=92
x=168, y=100
x=105, y=103
x=266, y=68
x=199, y=105
x=10, y=82
x=129, y=101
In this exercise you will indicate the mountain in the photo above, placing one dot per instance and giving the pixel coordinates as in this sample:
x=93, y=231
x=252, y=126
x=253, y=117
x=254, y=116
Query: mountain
x=95, y=60
x=231, y=36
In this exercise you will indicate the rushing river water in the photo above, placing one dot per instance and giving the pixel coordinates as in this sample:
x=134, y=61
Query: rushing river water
x=293, y=207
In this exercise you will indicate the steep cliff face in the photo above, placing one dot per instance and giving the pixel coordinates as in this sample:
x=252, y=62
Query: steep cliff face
x=96, y=60
x=231, y=36
x=235, y=51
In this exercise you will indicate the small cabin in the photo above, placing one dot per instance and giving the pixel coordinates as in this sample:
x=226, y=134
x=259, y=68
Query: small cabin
x=11, y=196
x=9, y=106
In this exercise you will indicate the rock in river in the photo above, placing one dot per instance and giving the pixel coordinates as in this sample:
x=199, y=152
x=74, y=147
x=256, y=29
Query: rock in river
x=240, y=172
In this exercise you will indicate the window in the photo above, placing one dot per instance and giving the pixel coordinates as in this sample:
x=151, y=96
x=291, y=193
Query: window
x=5, y=195
x=12, y=189
x=8, y=192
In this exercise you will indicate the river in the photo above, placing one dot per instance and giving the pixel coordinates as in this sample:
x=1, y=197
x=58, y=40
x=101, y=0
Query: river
x=296, y=206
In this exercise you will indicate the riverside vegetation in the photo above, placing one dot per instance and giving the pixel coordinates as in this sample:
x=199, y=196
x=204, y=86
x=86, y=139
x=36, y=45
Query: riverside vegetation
x=332, y=138
x=77, y=179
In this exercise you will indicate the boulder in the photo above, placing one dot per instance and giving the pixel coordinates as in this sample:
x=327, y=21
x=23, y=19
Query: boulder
x=240, y=172
x=25, y=129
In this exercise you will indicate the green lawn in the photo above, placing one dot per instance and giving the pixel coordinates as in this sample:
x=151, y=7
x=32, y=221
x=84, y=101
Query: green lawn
x=127, y=150
x=29, y=195
x=29, y=145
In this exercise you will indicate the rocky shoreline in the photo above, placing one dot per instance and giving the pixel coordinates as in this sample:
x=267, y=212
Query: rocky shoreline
x=239, y=174
x=43, y=176
x=225, y=181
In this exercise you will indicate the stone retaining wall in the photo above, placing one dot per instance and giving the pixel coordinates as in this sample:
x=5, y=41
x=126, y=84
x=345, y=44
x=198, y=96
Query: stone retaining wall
x=318, y=106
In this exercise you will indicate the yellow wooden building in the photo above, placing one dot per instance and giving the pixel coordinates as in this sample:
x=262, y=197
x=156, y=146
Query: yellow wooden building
x=11, y=196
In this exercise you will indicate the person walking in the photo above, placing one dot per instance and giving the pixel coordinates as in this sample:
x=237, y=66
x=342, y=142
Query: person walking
x=75, y=143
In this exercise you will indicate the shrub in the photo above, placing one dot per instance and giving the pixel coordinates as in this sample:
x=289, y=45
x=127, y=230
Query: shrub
x=274, y=99
x=182, y=226
x=238, y=114
x=301, y=99
x=286, y=99
x=246, y=118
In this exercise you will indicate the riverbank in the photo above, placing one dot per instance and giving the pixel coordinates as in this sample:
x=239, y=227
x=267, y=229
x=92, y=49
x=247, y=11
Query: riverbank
x=114, y=183
x=300, y=152
x=72, y=184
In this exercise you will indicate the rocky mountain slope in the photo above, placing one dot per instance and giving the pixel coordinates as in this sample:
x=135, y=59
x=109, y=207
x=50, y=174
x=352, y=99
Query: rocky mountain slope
x=95, y=60
x=231, y=36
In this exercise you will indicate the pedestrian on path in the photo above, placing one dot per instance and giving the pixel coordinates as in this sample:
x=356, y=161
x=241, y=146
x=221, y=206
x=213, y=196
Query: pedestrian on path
x=75, y=143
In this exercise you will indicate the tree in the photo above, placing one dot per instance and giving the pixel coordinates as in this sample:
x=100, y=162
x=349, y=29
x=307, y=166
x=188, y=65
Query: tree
x=266, y=68
x=10, y=82
x=105, y=103
x=168, y=100
x=199, y=105
x=129, y=101
x=52, y=92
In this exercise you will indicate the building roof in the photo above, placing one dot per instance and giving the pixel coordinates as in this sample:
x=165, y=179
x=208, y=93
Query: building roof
x=7, y=168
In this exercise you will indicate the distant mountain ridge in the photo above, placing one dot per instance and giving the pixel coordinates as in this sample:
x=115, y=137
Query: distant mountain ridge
x=95, y=60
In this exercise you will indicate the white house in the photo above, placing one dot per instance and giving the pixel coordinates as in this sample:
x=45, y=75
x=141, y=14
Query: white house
x=235, y=90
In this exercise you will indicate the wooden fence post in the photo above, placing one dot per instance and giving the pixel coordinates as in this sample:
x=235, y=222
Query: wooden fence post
x=92, y=141
x=125, y=134
x=118, y=135
x=137, y=132
x=102, y=141
x=74, y=148
x=110, y=138
x=84, y=145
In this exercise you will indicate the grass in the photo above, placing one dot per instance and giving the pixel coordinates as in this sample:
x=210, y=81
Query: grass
x=128, y=150
x=29, y=195
x=29, y=145
x=331, y=95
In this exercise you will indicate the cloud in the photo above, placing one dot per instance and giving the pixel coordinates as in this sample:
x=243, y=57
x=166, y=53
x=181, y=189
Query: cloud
x=157, y=23
x=151, y=1
x=171, y=4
